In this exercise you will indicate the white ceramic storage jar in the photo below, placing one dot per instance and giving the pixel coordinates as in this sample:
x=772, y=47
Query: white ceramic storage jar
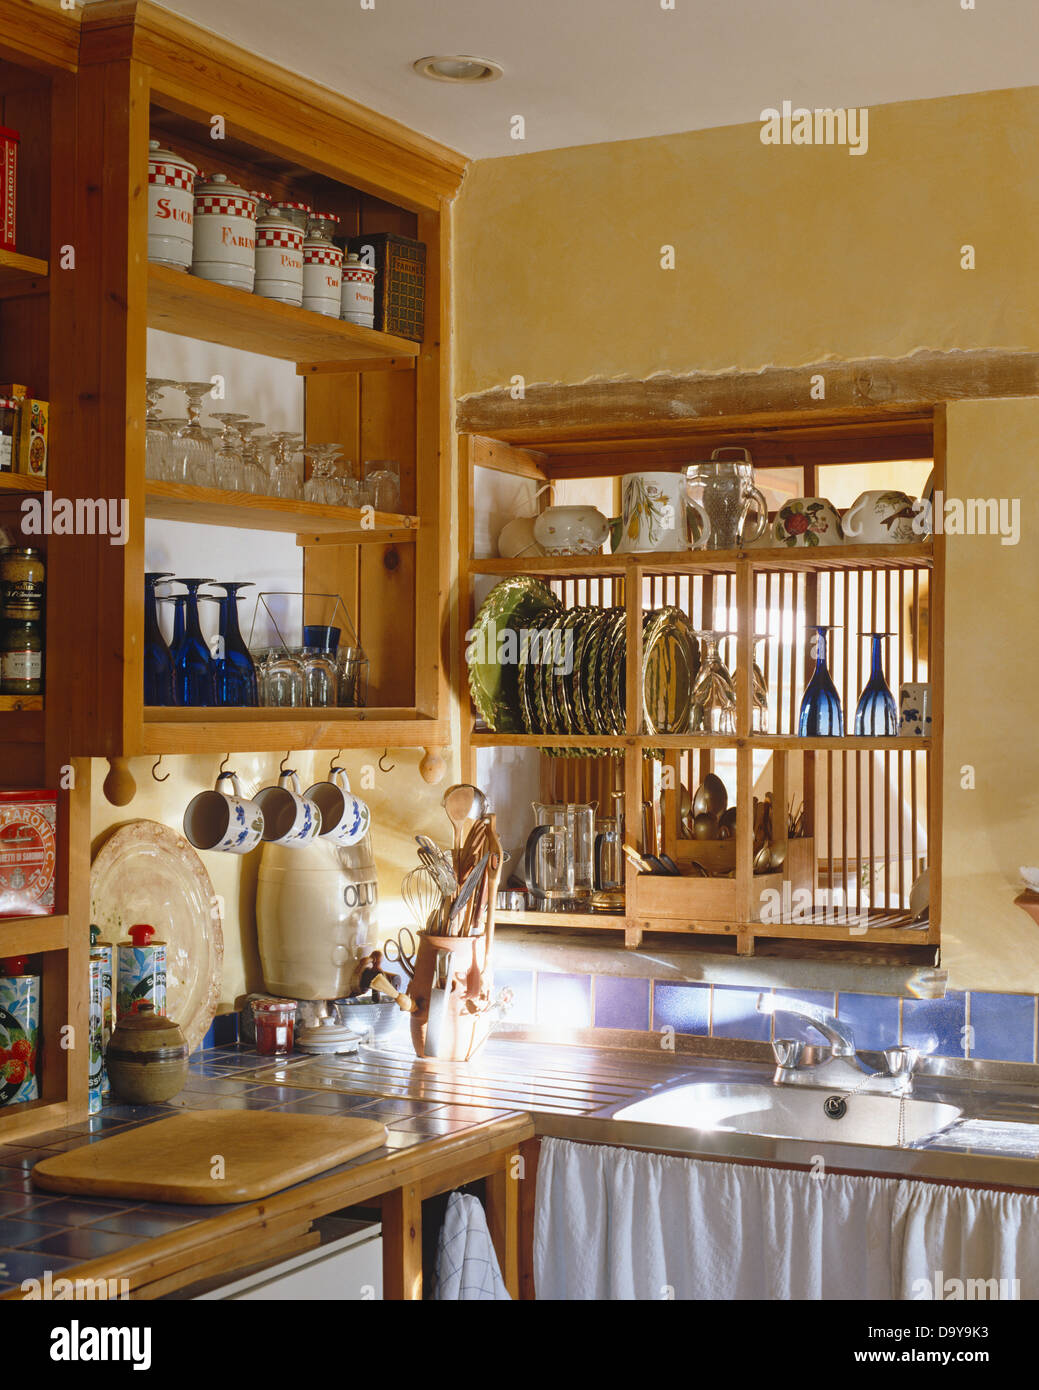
x=322, y=267
x=358, y=300
x=279, y=259
x=171, y=206
x=225, y=233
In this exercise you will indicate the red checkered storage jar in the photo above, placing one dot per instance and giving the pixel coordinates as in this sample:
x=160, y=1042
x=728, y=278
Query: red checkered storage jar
x=322, y=268
x=171, y=206
x=225, y=233
x=279, y=259
x=357, y=303
x=299, y=213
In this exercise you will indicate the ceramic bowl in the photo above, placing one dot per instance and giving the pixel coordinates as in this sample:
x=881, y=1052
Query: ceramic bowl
x=881, y=518
x=577, y=530
x=806, y=522
x=516, y=537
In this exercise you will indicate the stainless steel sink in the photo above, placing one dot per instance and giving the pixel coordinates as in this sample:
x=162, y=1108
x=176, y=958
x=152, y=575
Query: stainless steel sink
x=886, y=1121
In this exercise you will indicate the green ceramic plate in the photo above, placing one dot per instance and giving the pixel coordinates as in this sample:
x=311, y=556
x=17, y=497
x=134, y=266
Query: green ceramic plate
x=493, y=653
x=585, y=654
x=529, y=677
x=670, y=661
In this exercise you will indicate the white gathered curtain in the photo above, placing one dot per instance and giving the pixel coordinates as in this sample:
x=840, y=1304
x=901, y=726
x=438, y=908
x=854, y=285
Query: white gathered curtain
x=622, y=1224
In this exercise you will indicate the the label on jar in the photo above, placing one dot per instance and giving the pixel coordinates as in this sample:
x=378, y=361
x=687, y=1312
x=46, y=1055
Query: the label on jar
x=6, y=454
x=21, y=666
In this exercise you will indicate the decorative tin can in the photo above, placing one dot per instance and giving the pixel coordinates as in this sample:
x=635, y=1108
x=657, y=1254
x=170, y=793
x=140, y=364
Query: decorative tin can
x=32, y=438
x=322, y=267
x=8, y=186
x=96, y=1024
x=103, y=952
x=141, y=973
x=297, y=213
x=19, y=1032
x=171, y=206
x=400, y=281
x=279, y=259
x=357, y=302
x=27, y=853
x=225, y=233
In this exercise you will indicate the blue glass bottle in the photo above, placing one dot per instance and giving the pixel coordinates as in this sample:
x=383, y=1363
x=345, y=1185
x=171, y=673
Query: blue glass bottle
x=234, y=669
x=158, y=663
x=821, y=715
x=192, y=663
x=876, y=715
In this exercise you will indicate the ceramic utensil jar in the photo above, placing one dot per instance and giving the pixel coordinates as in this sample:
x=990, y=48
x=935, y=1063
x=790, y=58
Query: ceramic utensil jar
x=288, y=818
x=224, y=233
x=357, y=303
x=171, y=207
x=322, y=268
x=279, y=259
x=344, y=817
x=147, y=1058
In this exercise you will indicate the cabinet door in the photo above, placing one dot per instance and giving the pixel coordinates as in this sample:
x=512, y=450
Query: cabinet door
x=348, y=1270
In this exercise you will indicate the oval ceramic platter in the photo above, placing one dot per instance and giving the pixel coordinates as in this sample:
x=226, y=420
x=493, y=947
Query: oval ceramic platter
x=670, y=662
x=146, y=872
x=493, y=654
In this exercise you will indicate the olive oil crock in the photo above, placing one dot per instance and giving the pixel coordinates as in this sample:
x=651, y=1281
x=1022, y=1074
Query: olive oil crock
x=147, y=1058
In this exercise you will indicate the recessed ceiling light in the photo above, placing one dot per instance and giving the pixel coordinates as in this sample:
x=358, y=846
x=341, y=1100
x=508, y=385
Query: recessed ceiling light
x=458, y=67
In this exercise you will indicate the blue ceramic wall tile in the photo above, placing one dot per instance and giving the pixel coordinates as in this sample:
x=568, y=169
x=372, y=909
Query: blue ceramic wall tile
x=16, y=1265
x=83, y=1243
x=1003, y=1027
x=735, y=1014
x=521, y=982
x=873, y=1019
x=936, y=1026
x=684, y=1007
x=564, y=1001
x=621, y=1003
x=790, y=1026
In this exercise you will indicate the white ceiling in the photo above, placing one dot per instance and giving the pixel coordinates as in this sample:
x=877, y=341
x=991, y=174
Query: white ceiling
x=585, y=71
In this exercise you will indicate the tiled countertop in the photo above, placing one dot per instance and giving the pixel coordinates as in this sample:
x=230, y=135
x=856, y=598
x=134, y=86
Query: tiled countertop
x=42, y=1231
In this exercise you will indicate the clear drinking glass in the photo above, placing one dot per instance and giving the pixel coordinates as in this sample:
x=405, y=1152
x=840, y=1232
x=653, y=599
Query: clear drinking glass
x=178, y=450
x=285, y=480
x=282, y=680
x=353, y=677
x=320, y=678
x=758, y=691
x=713, y=703
x=156, y=432
x=383, y=479
x=254, y=456
x=322, y=485
x=200, y=466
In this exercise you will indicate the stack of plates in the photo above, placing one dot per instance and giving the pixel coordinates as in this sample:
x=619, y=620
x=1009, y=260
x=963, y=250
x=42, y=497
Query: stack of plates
x=538, y=668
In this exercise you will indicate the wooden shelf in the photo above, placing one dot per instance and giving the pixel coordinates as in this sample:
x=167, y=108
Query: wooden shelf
x=17, y=270
x=182, y=303
x=25, y=936
x=762, y=742
x=27, y=703
x=21, y=482
x=918, y=555
x=21, y=725
x=205, y=506
x=268, y=730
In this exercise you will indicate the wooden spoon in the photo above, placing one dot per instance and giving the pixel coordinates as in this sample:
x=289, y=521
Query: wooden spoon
x=462, y=802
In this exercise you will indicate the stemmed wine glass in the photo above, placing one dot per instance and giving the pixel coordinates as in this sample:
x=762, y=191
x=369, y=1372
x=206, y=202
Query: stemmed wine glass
x=158, y=663
x=256, y=480
x=199, y=463
x=875, y=714
x=820, y=715
x=193, y=666
x=713, y=701
x=758, y=690
x=156, y=430
x=230, y=464
x=234, y=673
x=322, y=485
x=284, y=473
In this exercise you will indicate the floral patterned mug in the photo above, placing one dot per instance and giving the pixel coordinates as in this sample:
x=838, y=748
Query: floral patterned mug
x=654, y=514
x=807, y=521
x=214, y=820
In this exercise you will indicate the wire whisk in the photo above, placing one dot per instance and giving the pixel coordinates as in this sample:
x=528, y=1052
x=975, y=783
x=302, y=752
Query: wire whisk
x=421, y=896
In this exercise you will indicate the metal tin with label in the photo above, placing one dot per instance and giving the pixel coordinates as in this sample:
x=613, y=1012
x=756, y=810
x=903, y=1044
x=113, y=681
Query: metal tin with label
x=279, y=259
x=224, y=233
x=357, y=301
x=322, y=267
x=141, y=974
x=19, y=1032
x=96, y=1025
x=171, y=207
x=104, y=952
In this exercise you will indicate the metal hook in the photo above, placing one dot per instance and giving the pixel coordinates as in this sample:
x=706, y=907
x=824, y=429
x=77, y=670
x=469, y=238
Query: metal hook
x=158, y=760
x=223, y=766
x=281, y=765
x=335, y=761
x=385, y=753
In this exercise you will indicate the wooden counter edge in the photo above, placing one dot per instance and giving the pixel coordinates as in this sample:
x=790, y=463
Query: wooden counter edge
x=181, y=1251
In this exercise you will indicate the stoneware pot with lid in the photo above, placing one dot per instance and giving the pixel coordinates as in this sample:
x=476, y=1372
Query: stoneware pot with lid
x=147, y=1058
x=573, y=530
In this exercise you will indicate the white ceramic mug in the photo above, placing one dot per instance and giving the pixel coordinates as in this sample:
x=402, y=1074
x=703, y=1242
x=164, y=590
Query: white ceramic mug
x=654, y=514
x=345, y=818
x=914, y=709
x=214, y=820
x=288, y=817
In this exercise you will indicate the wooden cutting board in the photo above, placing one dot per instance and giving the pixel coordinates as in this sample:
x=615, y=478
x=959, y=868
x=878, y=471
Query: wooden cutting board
x=206, y=1157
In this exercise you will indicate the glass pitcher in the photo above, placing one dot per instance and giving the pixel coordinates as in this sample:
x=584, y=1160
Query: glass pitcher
x=725, y=490
x=578, y=820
